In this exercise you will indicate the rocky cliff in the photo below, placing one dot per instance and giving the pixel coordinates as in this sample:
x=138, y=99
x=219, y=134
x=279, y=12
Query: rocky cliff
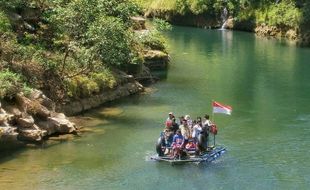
x=31, y=118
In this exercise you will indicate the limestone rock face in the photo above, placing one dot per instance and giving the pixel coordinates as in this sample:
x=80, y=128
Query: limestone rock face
x=61, y=124
x=79, y=106
x=230, y=23
x=155, y=59
x=37, y=95
x=29, y=120
x=33, y=135
x=14, y=110
x=32, y=106
x=8, y=133
x=3, y=119
x=26, y=122
x=291, y=34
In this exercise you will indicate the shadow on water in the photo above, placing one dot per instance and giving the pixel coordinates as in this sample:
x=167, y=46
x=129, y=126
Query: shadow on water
x=10, y=150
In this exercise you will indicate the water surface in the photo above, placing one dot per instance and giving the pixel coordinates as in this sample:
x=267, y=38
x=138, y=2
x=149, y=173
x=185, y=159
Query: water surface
x=267, y=137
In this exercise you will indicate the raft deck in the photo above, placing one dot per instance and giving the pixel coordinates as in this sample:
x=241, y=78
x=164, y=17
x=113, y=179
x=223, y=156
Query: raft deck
x=207, y=157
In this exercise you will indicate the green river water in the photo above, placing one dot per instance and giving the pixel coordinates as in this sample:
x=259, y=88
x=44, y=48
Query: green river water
x=266, y=82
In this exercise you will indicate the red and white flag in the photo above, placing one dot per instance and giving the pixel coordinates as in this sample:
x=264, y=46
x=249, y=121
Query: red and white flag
x=220, y=108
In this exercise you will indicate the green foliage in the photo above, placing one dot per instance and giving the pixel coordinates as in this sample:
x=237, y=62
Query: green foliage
x=119, y=8
x=84, y=86
x=73, y=17
x=284, y=14
x=198, y=6
x=5, y=25
x=81, y=86
x=152, y=40
x=306, y=13
x=10, y=4
x=181, y=7
x=100, y=26
x=290, y=13
x=104, y=79
x=161, y=25
x=111, y=41
x=73, y=44
x=10, y=84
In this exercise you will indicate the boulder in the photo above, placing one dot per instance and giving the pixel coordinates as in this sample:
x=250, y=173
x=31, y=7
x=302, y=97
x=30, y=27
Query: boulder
x=14, y=111
x=13, y=114
x=32, y=135
x=40, y=97
x=8, y=133
x=32, y=107
x=61, y=125
x=35, y=94
x=291, y=34
x=47, y=126
x=230, y=23
x=22, y=101
x=26, y=122
x=156, y=59
x=3, y=119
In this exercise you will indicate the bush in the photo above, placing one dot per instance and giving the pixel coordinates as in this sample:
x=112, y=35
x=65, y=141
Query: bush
x=81, y=86
x=10, y=84
x=85, y=86
x=161, y=25
x=284, y=14
x=198, y=6
x=104, y=79
x=112, y=41
x=152, y=40
x=5, y=25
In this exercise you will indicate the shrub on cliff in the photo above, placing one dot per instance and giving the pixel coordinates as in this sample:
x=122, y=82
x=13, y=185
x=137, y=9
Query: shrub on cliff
x=112, y=41
x=104, y=79
x=284, y=14
x=5, y=25
x=101, y=26
x=83, y=86
x=10, y=84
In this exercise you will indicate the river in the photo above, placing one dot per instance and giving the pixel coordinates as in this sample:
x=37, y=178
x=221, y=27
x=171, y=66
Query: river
x=267, y=136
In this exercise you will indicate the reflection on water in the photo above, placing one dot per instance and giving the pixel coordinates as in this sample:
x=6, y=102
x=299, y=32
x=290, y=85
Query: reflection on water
x=265, y=82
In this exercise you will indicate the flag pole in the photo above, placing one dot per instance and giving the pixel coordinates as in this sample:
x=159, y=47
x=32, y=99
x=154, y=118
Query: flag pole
x=213, y=121
x=212, y=110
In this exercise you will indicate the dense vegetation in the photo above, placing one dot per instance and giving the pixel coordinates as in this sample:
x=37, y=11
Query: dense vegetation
x=73, y=48
x=67, y=48
x=290, y=13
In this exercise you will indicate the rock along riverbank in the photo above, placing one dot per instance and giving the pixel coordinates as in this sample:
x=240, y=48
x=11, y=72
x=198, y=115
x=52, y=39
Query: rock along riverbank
x=34, y=118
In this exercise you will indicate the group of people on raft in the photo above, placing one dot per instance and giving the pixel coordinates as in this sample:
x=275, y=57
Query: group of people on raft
x=185, y=134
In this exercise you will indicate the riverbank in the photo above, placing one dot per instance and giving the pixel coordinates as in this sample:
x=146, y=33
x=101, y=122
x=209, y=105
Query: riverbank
x=48, y=72
x=274, y=19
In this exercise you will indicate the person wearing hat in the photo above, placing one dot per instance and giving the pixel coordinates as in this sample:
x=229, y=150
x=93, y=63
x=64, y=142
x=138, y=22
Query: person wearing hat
x=188, y=120
x=169, y=120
